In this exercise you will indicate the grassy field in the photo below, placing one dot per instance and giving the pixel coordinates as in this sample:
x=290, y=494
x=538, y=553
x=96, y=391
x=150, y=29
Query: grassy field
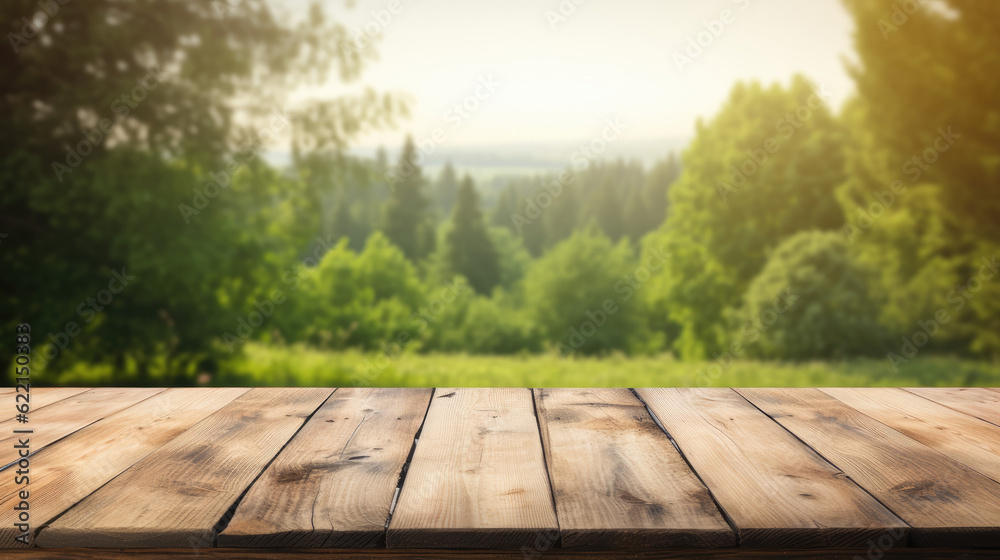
x=290, y=366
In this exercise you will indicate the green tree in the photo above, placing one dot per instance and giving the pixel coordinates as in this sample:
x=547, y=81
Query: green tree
x=636, y=216
x=513, y=256
x=470, y=250
x=355, y=299
x=764, y=168
x=446, y=191
x=407, y=223
x=923, y=190
x=811, y=301
x=562, y=216
x=578, y=298
x=531, y=224
x=655, y=188
x=606, y=210
x=344, y=224
x=506, y=206
x=128, y=137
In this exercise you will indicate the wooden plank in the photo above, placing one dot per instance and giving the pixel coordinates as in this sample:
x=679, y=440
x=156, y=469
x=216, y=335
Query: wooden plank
x=477, y=479
x=873, y=553
x=177, y=495
x=617, y=480
x=945, y=502
x=67, y=471
x=45, y=396
x=962, y=437
x=62, y=418
x=39, y=397
x=981, y=403
x=334, y=483
x=777, y=492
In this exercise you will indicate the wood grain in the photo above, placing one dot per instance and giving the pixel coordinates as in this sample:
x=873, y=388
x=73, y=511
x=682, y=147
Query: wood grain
x=45, y=396
x=945, y=502
x=60, y=419
x=40, y=397
x=180, y=495
x=777, y=492
x=334, y=483
x=67, y=471
x=962, y=437
x=981, y=403
x=477, y=479
x=617, y=480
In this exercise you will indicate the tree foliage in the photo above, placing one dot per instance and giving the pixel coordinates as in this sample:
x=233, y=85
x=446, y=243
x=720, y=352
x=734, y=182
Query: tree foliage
x=765, y=167
x=922, y=193
x=810, y=301
x=469, y=247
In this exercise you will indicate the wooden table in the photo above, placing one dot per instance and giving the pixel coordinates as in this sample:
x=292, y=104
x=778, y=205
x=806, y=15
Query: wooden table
x=503, y=473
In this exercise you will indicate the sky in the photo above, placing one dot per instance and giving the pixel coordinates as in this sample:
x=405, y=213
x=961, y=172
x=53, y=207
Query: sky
x=559, y=69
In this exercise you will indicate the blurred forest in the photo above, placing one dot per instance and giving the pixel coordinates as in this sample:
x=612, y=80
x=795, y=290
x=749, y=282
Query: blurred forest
x=143, y=232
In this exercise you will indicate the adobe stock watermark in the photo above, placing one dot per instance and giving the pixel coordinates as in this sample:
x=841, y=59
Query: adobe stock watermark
x=456, y=116
x=579, y=160
x=88, y=310
x=47, y=9
x=94, y=137
x=785, y=128
x=562, y=12
x=625, y=288
x=696, y=44
x=901, y=12
x=929, y=328
x=914, y=169
x=544, y=541
x=220, y=180
x=372, y=29
x=885, y=542
x=750, y=333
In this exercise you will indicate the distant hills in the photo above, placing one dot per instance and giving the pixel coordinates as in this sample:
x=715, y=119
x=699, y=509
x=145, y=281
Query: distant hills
x=489, y=162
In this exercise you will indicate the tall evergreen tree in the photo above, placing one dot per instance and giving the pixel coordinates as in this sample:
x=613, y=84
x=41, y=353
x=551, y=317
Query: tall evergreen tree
x=606, y=209
x=446, y=191
x=657, y=184
x=345, y=225
x=636, y=216
x=407, y=224
x=505, y=206
x=561, y=218
x=470, y=250
x=532, y=228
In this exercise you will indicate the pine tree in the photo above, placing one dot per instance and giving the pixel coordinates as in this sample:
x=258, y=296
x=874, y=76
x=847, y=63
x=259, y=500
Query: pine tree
x=561, y=218
x=346, y=225
x=470, y=250
x=657, y=183
x=606, y=209
x=406, y=220
x=531, y=226
x=446, y=191
x=505, y=206
x=636, y=216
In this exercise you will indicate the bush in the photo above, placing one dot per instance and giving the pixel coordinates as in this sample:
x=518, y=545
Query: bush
x=358, y=299
x=810, y=301
x=579, y=298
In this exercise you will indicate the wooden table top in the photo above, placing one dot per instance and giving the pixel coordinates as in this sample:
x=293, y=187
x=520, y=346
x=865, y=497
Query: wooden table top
x=502, y=473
